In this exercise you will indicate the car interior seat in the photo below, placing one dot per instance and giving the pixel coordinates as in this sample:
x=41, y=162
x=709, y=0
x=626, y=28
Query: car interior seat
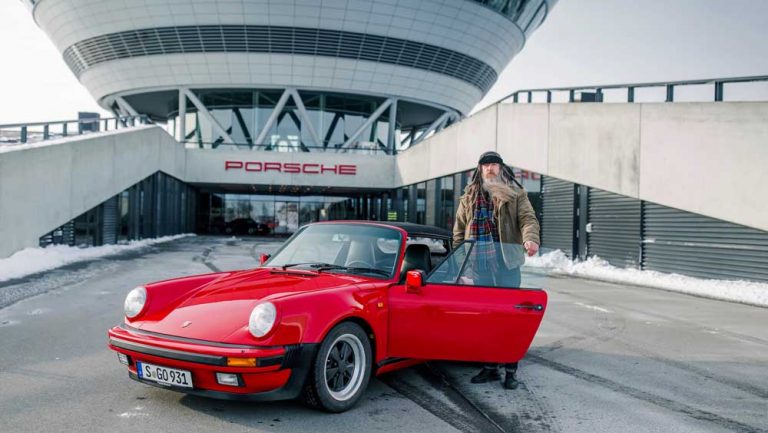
x=360, y=252
x=417, y=256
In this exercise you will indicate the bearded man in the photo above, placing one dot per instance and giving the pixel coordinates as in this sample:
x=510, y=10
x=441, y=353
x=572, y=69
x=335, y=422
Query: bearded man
x=496, y=213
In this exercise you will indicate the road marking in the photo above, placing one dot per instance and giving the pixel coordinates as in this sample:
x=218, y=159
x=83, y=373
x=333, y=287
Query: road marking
x=592, y=307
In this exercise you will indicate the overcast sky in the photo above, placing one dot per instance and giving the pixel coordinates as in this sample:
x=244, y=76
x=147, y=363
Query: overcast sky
x=582, y=42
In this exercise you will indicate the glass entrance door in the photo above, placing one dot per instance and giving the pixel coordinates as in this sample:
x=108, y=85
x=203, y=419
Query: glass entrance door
x=286, y=216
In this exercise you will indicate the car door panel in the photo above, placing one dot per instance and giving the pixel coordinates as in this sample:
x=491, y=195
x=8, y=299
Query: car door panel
x=463, y=323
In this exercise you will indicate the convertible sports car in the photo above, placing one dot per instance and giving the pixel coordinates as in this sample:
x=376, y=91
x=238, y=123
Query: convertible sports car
x=339, y=301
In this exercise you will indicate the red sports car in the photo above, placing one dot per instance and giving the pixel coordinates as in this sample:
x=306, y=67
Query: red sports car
x=338, y=301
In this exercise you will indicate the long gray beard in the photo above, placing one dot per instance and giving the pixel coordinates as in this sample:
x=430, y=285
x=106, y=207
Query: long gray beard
x=498, y=189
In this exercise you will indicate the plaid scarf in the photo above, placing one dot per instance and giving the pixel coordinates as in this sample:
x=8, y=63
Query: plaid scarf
x=483, y=231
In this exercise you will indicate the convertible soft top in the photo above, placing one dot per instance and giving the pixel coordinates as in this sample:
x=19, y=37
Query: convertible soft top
x=412, y=228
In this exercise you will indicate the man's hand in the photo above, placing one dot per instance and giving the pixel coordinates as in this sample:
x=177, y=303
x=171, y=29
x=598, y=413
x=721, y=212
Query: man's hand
x=531, y=247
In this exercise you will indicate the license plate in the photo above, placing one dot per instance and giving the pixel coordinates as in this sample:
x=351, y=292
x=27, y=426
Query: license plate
x=164, y=375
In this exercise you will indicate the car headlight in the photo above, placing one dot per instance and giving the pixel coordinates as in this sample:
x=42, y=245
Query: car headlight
x=135, y=301
x=262, y=319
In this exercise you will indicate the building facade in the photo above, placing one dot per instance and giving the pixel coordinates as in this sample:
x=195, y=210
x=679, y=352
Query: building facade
x=350, y=78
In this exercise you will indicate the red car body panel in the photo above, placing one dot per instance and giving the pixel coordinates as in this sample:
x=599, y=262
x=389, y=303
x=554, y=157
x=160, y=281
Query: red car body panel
x=207, y=316
x=440, y=323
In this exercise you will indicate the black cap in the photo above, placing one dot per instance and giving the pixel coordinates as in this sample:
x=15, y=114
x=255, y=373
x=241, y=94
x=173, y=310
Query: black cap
x=490, y=157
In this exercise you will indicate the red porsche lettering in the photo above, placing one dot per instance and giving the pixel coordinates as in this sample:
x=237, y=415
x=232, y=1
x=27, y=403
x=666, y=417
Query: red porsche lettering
x=305, y=168
x=291, y=167
x=332, y=169
x=272, y=166
x=252, y=166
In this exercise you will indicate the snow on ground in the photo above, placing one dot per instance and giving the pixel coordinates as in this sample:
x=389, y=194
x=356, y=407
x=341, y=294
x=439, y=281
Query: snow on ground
x=32, y=260
x=748, y=292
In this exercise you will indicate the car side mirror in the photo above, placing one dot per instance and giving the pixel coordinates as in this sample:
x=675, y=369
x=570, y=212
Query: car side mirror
x=414, y=281
x=263, y=258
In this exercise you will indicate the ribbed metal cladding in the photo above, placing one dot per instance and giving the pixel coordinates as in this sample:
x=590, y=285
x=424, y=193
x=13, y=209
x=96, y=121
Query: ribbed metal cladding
x=278, y=40
x=557, y=224
x=616, y=236
x=696, y=245
x=109, y=221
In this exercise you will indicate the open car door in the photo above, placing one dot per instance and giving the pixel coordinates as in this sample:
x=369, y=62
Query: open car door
x=445, y=315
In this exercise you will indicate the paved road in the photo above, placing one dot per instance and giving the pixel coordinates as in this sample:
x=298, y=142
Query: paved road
x=607, y=359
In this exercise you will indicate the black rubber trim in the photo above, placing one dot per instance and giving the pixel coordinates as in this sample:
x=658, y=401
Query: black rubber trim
x=270, y=361
x=292, y=389
x=169, y=353
x=390, y=361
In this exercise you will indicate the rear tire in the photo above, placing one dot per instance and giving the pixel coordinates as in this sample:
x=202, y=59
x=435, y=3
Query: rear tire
x=341, y=370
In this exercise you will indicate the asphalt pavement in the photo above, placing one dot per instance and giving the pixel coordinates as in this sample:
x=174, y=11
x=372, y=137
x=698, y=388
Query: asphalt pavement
x=607, y=358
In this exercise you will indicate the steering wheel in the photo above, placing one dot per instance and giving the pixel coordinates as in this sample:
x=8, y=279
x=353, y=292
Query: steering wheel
x=359, y=264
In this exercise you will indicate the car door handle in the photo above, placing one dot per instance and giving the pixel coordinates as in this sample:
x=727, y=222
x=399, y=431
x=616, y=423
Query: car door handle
x=534, y=307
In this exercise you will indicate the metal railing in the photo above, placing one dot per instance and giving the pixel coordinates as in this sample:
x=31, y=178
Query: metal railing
x=299, y=148
x=21, y=133
x=595, y=93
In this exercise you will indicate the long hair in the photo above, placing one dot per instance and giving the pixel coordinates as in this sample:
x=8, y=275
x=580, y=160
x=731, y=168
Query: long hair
x=475, y=185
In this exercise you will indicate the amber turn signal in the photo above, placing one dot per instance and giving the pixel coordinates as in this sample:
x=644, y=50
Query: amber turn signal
x=241, y=362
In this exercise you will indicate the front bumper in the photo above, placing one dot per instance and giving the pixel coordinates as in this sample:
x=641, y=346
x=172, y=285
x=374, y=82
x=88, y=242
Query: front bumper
x=280, y=372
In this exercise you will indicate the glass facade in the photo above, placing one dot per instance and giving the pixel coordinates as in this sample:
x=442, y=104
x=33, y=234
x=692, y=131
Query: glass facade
x=435, y=202
x=527, y=14
x=277, y=214
x=421, y=203
x=245, y=113
x=159, y=205
x=447, y=210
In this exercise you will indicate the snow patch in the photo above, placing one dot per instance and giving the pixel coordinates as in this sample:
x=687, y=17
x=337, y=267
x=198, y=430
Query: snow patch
x=747, y=292
x=32, y=260
x=136, y=412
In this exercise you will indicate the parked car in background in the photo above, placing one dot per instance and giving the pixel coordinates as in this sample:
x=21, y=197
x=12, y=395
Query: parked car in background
x=240, y=226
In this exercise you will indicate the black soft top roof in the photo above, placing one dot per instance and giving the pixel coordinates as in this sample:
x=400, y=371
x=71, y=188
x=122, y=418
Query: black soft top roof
x=411, y=228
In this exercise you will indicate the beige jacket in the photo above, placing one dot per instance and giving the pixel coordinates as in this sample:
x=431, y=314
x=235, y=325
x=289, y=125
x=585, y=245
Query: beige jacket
x=515, y=220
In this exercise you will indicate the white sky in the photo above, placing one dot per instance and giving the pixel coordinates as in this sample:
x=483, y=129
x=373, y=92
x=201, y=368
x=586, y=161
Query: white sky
x=582, y=42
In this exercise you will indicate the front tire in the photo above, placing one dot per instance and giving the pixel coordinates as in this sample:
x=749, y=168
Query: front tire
x=341, y=370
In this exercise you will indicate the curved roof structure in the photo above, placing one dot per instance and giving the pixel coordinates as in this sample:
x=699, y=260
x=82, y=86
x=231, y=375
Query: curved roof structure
x=295, y=75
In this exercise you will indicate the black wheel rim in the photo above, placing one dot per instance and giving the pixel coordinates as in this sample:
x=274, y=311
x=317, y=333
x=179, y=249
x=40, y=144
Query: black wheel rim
x=340, y=366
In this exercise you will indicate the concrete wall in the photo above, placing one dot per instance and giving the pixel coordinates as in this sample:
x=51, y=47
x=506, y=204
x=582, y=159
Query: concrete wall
x=44, y=186
x=706, y=158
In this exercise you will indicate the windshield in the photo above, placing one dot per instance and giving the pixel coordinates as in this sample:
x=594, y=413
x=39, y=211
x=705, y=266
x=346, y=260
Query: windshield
x=352, y=248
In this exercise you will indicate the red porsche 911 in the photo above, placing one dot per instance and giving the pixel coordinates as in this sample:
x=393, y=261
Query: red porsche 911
x=338, y=301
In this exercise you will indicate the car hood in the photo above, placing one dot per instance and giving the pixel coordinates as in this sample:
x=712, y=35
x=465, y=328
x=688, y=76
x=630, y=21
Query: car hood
x=217, y=310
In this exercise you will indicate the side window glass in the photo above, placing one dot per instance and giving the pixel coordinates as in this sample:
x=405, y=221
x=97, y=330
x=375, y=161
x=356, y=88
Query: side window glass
x=493, y=265
x=481, y=264
x=450, y=269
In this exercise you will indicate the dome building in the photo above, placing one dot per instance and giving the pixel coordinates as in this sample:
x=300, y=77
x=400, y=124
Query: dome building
x=300, y=75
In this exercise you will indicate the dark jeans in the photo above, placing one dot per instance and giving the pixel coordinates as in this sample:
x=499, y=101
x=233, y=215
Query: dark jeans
x=510, y=368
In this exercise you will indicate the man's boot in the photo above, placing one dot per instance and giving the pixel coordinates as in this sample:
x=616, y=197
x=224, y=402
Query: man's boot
x=487, y=374
x=510, y=379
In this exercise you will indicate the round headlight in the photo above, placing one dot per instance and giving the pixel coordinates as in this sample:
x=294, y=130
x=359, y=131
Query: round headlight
x=135, y=301
x=262, y=319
